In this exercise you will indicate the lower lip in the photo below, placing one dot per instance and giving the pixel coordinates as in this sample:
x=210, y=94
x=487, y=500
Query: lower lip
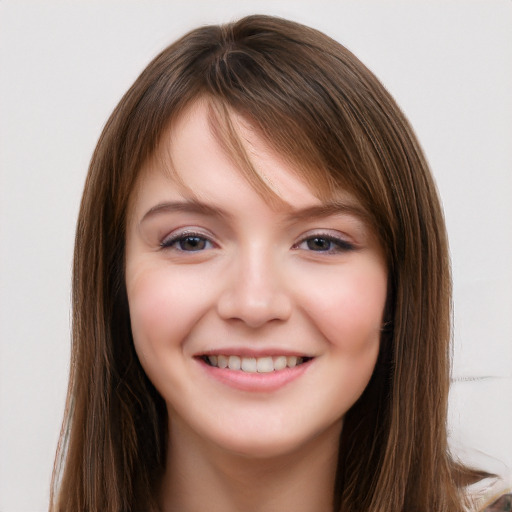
x=255, y=382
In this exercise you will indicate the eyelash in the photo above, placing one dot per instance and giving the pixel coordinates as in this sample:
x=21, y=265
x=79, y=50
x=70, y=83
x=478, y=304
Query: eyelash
x=336, y=245
x=170, y=243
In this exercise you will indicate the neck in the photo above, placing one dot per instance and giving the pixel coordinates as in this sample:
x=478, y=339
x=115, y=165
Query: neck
x=204, y=477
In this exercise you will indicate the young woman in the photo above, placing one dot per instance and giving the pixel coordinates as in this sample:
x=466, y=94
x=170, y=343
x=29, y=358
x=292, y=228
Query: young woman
x=261, y=291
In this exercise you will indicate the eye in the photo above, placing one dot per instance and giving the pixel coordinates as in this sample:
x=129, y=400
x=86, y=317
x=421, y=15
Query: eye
x=324, y=243
x=187, y=242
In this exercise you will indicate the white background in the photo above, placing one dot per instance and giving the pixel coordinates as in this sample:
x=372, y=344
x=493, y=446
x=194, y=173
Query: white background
x=64, y=66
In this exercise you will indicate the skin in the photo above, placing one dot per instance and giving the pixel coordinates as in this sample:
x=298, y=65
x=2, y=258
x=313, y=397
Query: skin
x=264, y=279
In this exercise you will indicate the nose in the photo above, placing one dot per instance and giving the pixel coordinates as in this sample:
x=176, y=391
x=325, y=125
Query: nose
x=255, y=291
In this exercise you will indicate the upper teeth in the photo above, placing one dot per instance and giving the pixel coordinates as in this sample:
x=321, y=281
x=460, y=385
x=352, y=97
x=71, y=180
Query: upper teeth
x=255, y=364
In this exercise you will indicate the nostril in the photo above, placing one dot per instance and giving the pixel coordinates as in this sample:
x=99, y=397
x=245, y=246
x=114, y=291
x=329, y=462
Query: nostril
x=252, y=310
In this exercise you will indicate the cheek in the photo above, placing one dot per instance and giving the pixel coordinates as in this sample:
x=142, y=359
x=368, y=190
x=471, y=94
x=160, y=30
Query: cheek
x=349, y=312
x=163, y=308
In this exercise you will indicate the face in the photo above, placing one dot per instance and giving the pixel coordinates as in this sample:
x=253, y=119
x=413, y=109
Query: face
x=259, y=323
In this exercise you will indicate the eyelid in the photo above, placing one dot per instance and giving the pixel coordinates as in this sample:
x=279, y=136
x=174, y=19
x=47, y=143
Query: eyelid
x=341, y=241
x=333, y=234
x=178, y=234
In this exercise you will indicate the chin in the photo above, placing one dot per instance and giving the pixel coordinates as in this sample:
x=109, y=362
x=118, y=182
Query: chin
x=270, y=445
x=261, y=448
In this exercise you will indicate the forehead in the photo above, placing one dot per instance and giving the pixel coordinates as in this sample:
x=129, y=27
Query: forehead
x=203, y=152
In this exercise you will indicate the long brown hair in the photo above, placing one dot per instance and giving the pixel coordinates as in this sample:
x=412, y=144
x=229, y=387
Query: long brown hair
x=325, y=112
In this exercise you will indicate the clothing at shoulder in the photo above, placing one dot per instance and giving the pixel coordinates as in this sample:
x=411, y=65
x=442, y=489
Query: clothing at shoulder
x=492, y=494
x=503, y=504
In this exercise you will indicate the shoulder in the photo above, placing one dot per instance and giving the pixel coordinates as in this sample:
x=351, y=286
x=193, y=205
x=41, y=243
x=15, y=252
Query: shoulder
x=492, y=494
x=502, y=504
x=493, y=491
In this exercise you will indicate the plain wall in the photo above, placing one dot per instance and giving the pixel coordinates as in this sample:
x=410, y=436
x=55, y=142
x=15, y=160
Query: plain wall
x=64, y=66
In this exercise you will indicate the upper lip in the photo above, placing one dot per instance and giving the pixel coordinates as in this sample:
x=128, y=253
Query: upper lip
x=249, y=352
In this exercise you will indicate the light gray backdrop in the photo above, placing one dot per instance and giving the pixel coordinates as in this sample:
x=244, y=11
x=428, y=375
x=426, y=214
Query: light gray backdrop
x=64, y=66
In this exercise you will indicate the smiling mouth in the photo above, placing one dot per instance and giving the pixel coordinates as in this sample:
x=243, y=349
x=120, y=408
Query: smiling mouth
x=265, y=364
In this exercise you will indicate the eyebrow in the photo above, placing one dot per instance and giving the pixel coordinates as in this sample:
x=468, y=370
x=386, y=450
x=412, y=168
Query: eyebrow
x=312, y=212
x=330, y=208
x=187, y=206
